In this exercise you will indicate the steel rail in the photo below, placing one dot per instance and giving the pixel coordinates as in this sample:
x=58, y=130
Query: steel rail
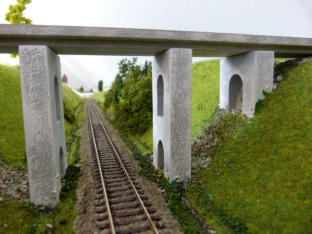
x=101, y=175
x=128, y=177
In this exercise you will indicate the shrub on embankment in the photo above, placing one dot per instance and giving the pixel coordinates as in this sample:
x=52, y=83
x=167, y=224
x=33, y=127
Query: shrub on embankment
x=21, y=217
x=130, y=97
x=259, y=179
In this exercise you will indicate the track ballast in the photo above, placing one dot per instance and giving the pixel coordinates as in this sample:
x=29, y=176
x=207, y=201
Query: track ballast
x=121, y=205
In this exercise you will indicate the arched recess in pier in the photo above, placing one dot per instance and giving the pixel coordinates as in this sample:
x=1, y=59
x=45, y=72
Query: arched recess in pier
x=236, y=94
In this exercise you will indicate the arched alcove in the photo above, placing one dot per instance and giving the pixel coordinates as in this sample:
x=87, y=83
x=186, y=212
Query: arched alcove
x=160, y=161
x=160, y=96
x=57, y=99
x=236, y=94
x=61, y=161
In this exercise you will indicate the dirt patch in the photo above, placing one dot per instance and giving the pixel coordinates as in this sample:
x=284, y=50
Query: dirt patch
x=13, y=182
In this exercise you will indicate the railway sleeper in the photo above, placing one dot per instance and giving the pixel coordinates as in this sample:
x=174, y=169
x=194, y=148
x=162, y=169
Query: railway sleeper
x=114, y=170
x=99, y=203
x=117, y=184
x=116, y=189
x=125, y=206
x=102, y=225
x=108, y=159
x=129, y=221
x=113, y=173
x=100, y=209
x=116, y=180
x=151, y=210
x=106, y=167
x=99, y=191
x=155, y=217
x=102, y=217
x=134, y=229
x=128, y=213
x=148, y=203
x=112, y=176
x=117, y=194
x=127, y=199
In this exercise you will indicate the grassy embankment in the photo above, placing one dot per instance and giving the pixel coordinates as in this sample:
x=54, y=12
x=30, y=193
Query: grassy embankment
x=259, y=180
x=23, y=217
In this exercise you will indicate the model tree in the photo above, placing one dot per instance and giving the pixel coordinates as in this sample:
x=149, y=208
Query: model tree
x=100, y=85
x=15, y=13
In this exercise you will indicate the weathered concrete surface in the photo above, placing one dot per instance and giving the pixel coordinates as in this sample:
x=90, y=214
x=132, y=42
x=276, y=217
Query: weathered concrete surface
x=172, y=126
x=125, y=41
x=255, y=69
x=43, y=123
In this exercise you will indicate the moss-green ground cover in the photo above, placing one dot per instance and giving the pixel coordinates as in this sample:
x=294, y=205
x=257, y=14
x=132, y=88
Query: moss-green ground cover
x=23, y=217
x=260, y=179
x=205, y=93
x=12, y=142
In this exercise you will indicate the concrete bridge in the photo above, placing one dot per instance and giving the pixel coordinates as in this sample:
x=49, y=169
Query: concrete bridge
x=246, y=71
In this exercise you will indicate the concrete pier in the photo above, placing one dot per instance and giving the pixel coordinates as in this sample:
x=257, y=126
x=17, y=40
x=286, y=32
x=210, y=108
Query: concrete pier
x=43, y=123
x=172, y=112
x=243, y=79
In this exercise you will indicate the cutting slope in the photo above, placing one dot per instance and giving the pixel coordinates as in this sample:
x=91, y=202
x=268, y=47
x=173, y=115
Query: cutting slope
x=259, y=180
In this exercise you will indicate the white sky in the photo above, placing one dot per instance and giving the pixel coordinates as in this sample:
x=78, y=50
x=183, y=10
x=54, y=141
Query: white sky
x=266, y=17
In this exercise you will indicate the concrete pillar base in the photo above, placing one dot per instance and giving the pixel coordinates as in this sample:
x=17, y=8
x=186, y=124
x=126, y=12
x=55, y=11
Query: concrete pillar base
x=172, y=113
x=243, y=79
x=43, y=123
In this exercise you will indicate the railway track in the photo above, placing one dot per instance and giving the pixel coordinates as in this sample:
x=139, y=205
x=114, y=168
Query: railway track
x=121, y=205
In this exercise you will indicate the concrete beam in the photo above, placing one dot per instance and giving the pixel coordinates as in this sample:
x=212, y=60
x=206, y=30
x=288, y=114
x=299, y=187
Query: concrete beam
x=125, y=41
x=172, y=113
x=43, y=123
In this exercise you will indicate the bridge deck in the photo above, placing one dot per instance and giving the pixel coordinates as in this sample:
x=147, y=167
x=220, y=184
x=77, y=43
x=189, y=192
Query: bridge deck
x=125, y=41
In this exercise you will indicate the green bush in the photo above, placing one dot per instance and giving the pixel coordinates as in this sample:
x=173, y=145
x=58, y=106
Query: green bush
x=131, y=97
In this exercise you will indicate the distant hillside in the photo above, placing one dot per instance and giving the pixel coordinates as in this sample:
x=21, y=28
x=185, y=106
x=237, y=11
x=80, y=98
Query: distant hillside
x=259, y=179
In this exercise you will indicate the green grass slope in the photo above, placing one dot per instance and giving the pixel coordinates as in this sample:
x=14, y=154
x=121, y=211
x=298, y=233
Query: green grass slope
x=23, y=217
x=205, y=93
x=12, y=142
x=260, y=179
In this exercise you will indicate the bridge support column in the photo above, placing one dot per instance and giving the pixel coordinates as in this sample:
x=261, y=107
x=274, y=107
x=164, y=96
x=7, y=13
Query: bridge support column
x=43, y=123
x=172, y=113
x=243, y=79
